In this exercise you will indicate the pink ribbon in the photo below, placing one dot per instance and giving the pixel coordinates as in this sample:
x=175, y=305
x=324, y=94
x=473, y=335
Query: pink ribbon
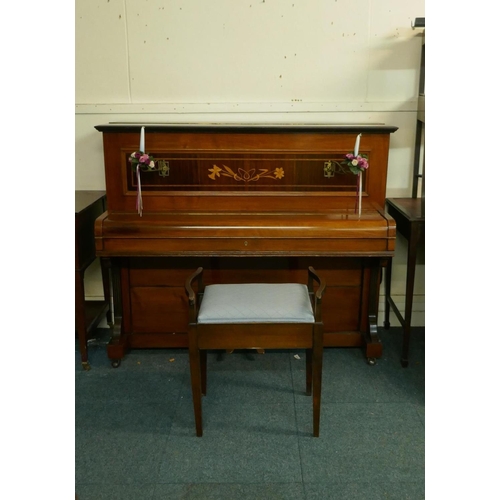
x=357, y=192
x=138, y=203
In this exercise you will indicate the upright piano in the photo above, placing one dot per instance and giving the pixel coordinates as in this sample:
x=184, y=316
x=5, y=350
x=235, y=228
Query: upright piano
x=247, y=203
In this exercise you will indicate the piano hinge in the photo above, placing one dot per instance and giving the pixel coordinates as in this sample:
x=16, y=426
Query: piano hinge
x=163, y=168
x=331, y=167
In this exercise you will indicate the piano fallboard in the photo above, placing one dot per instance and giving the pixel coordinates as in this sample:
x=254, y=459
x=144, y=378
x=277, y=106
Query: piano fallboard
x=333, y=232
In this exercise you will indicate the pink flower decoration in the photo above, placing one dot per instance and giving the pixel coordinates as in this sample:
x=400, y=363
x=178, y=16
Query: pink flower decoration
x=362, y=163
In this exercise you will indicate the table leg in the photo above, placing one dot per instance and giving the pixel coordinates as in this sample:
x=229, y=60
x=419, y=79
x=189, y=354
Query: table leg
x=410, y=284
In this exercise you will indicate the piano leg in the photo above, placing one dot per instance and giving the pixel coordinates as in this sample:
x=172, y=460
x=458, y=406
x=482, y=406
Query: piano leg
x=106, y=285
x=81, y=326
x=118, y=344
x=372, y=341
x=388, y=277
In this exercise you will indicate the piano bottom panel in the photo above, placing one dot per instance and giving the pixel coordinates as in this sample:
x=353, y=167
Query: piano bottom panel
x=154, y=305
x=164, y=309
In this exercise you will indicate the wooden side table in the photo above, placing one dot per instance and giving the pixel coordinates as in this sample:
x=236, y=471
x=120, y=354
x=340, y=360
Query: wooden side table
x=88, y=314
x=410, y=222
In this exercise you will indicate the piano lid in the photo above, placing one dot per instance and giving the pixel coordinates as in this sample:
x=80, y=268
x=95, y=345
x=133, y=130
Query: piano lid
x=247, y=127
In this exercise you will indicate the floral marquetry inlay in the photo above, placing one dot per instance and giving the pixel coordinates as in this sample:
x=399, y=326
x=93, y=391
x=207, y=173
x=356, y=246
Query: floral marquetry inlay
x=242, y=175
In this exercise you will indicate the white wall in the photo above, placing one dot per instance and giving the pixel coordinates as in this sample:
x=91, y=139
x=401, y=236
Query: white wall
x=294, y=61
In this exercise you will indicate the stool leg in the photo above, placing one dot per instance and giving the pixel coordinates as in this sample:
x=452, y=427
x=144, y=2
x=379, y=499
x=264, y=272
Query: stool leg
x=195, y=366
x=203, y=362
x=308, y=371
x=317, y=369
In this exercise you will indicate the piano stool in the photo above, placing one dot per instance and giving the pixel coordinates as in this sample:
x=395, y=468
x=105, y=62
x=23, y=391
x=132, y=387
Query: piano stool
x=255, y=316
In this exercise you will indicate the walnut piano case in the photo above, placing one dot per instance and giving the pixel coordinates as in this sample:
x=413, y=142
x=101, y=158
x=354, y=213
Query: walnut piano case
x=246, y=203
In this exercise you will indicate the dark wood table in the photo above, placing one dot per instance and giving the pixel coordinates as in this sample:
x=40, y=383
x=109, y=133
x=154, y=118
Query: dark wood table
x=88, y=206
x=410, y=223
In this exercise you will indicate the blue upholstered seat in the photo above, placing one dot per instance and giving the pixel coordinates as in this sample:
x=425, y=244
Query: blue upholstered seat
x=255, y=316
x=256, y=303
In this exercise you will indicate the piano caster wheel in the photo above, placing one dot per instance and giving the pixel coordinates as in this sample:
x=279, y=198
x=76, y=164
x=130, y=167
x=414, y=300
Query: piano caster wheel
x=372, y=361
x=404, y=363
x=116, y=363
x=387, y=325
x=85, y=365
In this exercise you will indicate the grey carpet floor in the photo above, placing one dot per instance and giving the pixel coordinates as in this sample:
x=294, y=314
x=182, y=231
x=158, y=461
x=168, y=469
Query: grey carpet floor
x=135, y=437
